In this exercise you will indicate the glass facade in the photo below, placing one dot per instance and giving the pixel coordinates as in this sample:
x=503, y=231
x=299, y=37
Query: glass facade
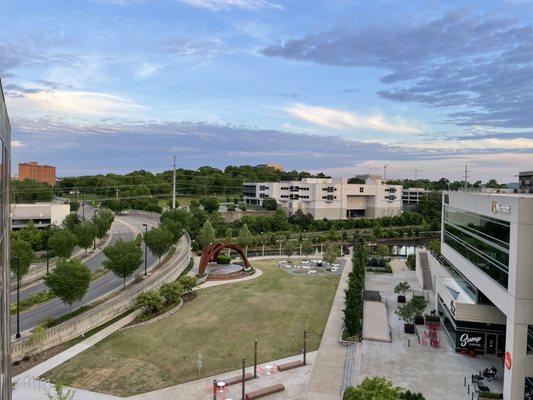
x=530, y=339
x=5, y=175
x=482, y=240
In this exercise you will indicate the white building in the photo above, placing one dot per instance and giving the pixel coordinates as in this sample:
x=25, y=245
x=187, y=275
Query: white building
x=329, y=198
x=484, y=280
x=42, y=214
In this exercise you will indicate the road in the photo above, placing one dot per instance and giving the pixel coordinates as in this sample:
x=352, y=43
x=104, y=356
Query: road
x=125, y=228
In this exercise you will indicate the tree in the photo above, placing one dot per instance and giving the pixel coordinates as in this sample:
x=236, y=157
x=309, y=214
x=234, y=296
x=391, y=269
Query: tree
x=407, y=312
x=210, y=204
x=331, y=253
x=228, y=235
x=70, y=222
x=245, y=237
x=69, y=280
x=411, y=262
x=21, y=257
x=408, y=395
x=123, y=258
x=307, y=248
x=103, y=220
x=270, y=204
x=159, y=240
x=32, y=235
x=402, y=288
x=377, y=388
x=289, y=248
x=206, y=235
x=84, y=234
x=62, y=242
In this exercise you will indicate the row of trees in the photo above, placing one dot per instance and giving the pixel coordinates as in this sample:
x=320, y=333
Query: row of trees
x=353, y=311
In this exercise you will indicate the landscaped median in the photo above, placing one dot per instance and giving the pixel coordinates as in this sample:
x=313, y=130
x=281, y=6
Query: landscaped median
x=106, y=310
x=221, y=324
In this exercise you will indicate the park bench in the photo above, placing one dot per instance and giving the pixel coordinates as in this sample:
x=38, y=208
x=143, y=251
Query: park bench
x=237, y=379
x=290, y=365
x=257, y=394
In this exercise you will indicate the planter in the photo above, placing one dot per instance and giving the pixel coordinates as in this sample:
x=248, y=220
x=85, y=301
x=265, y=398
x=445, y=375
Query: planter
x=401, y=298
x=419, y=320
x=409, y=328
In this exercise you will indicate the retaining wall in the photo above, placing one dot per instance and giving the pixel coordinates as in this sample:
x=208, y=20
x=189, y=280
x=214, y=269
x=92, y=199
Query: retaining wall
x=107, y=310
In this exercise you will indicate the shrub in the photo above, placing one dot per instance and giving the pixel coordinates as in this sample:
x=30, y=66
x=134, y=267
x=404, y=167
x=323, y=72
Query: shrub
x=231, y=207
x=402, y=288
x=151, y=301
x=223, y=259
x=188, y=283
x=138, y=278
x=171, y=292
x=490, y=395
x=411, y=262
x=242, y=207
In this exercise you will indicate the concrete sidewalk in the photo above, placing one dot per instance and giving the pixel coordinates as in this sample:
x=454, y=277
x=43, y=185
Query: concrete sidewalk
x=376, y=322
x=326, y=378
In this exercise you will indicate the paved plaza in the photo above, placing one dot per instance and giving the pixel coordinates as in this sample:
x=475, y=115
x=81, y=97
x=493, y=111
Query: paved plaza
x=437, y=373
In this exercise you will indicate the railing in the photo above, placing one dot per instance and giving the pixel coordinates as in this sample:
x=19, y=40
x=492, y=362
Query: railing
x=107, y=310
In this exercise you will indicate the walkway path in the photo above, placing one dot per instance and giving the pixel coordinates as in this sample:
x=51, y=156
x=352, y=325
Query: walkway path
x=376, y=322
x=326, y=378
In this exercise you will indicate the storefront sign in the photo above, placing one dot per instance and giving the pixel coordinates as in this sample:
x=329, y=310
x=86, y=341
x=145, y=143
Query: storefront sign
x=498, y=208
x=508, y=360
x=470, y=341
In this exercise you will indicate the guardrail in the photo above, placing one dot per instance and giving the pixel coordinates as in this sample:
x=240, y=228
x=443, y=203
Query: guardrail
x=107, y=310
x=146, y=216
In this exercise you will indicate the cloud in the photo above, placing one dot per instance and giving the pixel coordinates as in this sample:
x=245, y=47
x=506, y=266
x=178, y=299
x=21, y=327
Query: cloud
x=148, y=69
x=78, y=103
x=483, y=65
x=17, y=144
x=349, y=121
x=216, y=5
x=190, y=47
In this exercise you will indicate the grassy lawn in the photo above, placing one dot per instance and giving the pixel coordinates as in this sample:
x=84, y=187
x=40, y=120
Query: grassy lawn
x=221, y=324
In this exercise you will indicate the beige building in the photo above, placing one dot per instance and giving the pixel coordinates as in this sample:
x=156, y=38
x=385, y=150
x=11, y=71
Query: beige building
x=329, y=198
x=42, y=214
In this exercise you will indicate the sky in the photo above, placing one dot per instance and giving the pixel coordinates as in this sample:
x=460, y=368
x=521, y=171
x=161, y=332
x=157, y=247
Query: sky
x=340, y=86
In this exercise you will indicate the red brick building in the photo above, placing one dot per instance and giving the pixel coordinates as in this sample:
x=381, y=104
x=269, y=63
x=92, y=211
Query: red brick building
x=41, y=173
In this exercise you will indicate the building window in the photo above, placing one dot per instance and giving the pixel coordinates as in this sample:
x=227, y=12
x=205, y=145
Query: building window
x=361, y=189
x=263, y=188
x=249, y=190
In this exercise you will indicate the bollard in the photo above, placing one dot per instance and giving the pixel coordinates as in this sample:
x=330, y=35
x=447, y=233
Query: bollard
x=472, y=395
x=468, y=389
x=305, y=347
x=408, y=342
x=215, y=389
x=465, y=382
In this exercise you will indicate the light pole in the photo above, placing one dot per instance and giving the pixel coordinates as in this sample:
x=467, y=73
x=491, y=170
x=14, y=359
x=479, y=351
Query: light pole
x=94, y=228
x=15, y=259
x=145, y=249
x=47, y=249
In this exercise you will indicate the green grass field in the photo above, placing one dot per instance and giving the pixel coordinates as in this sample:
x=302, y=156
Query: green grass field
x=220, y=323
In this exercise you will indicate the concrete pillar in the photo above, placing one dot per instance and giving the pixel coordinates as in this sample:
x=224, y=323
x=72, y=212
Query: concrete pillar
x=516, y=345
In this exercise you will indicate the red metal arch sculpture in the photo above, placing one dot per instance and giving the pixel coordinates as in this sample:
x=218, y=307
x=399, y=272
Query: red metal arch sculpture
x=212, y=251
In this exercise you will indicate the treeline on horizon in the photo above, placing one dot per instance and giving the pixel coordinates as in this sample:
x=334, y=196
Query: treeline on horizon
x=141, y=189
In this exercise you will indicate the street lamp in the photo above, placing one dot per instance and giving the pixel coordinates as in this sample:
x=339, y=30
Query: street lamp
x=94, y=228
x=145, y=249
x=15, y=259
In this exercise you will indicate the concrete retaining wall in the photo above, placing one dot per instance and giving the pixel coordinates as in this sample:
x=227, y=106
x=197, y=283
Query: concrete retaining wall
x=108, y=310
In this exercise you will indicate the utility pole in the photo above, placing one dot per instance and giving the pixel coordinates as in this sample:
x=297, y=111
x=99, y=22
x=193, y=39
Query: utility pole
x=385, y=174
x=416, y=173
x=174, y=184
x=466, y=177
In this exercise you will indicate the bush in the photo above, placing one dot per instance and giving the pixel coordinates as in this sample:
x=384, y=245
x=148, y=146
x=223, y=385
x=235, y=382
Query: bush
x=270, y=204
x=223, y=259
x=171, y=292
x=242, y=207
x=151, y=301
x=231, y=207
x=188, y=283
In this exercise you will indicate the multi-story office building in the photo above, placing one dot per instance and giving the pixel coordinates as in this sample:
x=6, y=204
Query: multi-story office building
x=329, y=198
x=483, y=280
x=5, y=177
x=525, y=181
x=411, y=197
x=36, y=172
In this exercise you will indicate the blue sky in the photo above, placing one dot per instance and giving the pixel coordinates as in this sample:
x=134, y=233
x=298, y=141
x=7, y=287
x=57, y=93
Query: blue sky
x=339, y=86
